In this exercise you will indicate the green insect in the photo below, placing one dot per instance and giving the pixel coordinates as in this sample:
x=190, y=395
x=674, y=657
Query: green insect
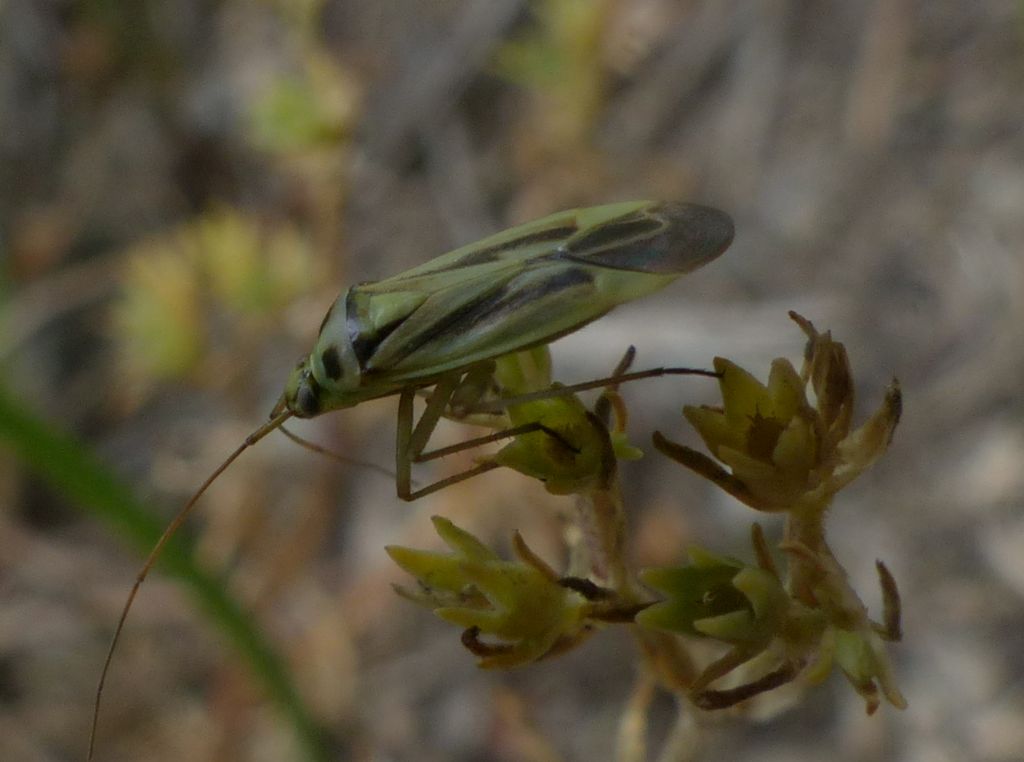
x=449, y=318
x=444, y=323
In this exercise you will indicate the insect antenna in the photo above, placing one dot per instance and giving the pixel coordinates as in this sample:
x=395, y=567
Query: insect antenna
x=347, y=460
x=279, y=416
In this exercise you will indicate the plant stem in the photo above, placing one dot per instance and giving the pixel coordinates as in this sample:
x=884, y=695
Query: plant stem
x=805, y=529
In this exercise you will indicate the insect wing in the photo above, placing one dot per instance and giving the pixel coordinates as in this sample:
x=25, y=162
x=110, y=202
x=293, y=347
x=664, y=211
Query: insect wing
x=488, y=317
x=537, y=282
x=519, y=245
x=654, y=238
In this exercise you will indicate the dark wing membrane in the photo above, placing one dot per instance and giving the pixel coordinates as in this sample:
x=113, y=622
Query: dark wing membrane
x=660, y=238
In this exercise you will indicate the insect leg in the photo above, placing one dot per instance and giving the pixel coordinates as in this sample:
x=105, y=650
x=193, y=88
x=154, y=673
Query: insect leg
x=478, y=383
x=515, y=431
x=347, y=460
x=450, y=480
x=412, y=439
x=474, y=386
x=403, y=465
x=405, y=456
x=436, y=405
x=561, y=391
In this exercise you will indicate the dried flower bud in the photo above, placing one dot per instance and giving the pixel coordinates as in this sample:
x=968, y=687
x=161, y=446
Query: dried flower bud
x=782, y=452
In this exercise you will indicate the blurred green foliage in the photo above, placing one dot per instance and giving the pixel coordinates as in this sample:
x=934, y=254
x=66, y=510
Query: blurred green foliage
x=313, y=109
x=178, y=284
x=559, y=62
x=70, y=468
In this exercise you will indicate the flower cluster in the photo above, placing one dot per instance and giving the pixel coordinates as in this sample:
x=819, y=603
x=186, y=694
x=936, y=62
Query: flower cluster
x=718, y=597
x=519, y=603
x=749, y=608
x=783, y=453
x=779, y=452
x=783, y=447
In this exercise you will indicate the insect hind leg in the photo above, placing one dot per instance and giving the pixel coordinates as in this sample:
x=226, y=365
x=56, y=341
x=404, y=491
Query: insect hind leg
x=469, y=389
x=412, y=438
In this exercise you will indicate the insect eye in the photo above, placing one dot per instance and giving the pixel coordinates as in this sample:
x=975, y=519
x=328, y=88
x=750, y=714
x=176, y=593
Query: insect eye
x=307, y=401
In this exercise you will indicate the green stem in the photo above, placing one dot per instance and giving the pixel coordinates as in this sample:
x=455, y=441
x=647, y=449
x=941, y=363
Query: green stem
x=603, y=512
x=69, y=467
x=805, y=526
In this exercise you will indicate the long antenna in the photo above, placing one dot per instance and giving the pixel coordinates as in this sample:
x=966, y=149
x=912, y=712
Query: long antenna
x=279, y=416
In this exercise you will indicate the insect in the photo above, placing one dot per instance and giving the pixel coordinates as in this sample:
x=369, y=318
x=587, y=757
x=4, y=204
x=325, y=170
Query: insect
x=442, y=325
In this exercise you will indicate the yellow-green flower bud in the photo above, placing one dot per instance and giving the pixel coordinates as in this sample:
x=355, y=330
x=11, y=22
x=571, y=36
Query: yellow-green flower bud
x=518, y=603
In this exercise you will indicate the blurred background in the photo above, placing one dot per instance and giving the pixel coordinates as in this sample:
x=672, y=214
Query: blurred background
x=186, y=186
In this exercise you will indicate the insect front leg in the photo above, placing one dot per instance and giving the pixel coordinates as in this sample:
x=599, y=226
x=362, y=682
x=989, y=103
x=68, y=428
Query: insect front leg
x=412, y=439
x=477, y=384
